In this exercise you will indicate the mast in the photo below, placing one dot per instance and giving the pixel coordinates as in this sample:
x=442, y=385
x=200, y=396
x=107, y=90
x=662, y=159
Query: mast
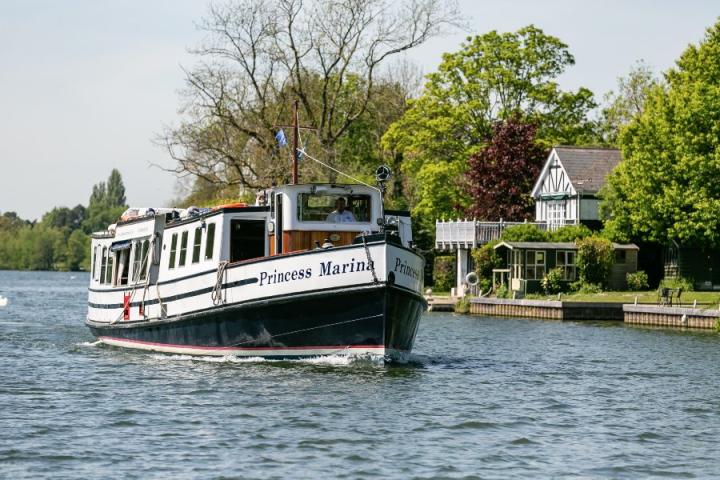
x=296, y=135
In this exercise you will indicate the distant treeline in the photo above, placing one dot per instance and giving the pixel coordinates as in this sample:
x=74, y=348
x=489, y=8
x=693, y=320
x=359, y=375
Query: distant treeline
x=61, y=239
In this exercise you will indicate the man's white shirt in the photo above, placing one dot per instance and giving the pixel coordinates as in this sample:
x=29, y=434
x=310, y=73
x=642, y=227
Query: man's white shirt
x=345, y=216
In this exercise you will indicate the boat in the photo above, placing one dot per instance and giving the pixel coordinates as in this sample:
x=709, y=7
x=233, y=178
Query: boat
x=307, y=270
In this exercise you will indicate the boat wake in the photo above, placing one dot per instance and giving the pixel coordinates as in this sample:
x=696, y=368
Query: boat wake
x=338, y=360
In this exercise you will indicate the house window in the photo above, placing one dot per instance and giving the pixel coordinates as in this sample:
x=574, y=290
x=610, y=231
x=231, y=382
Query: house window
x=565, y=260
x=620, y=257
x=183, y=249
x=517, y=263
x=197, y=240
x=534, y=264
x=556, y=214
x=173, y=249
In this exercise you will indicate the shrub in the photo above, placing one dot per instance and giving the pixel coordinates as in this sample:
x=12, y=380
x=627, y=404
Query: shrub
x=570, y=233
x=484, y=285
x=637, y=281
x=595, y=258
x=462, y=305
x=686, y=284
x=502, y=292
x=581, y=287
x=486, y=259
x=524, y=233
x=444, y=274
x=552, y=281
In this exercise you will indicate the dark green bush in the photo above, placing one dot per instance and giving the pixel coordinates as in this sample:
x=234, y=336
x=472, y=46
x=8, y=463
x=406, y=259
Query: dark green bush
x=444, y=274
x=570, y=233
x=637, y=281
x=552, y=281
x=524, y=233
x=595, y=258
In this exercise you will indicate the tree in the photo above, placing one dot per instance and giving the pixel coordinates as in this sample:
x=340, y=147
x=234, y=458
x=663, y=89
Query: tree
x=664, y=189
x=627, y=103
x=501, y=175
x=261, y=55
x=595, y=258
x=107, y=202
x=492, y=77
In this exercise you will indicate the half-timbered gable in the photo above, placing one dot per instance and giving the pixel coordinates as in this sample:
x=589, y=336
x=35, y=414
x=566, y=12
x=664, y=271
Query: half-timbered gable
x=566, y=190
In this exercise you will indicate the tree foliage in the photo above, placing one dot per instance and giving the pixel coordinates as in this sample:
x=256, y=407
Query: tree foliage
x=59, y=240
x=626, y=103
x=524, y=233
x=501, y=175
x=259, y=56
x=492, y=77
x=664, y=190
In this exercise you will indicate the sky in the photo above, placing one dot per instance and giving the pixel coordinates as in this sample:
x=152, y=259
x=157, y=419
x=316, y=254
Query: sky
x=86, y=85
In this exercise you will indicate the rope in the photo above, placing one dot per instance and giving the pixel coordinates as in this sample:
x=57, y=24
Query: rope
x=217, y=292
x=371, y=264
x=334, y=169
x=312, y=328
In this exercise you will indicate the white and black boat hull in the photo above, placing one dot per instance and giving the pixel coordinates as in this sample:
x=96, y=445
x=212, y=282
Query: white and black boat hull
x=377, y=315
x=373, y=319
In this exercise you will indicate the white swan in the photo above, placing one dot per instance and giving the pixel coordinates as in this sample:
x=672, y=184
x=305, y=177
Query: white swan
x=3, y=301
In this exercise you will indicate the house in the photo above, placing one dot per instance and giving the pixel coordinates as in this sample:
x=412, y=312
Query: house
x=571, y=174
x=526, y=263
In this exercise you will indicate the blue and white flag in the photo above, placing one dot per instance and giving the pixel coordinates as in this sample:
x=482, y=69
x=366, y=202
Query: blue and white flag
x=280, y=137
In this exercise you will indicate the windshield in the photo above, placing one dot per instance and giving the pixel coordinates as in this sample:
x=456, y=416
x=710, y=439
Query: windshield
x=333, y=208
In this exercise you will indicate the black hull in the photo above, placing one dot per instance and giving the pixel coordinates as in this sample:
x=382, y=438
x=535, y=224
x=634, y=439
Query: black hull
x=378, y=319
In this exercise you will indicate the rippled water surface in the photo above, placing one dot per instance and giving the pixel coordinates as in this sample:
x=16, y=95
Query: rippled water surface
x=481, y=398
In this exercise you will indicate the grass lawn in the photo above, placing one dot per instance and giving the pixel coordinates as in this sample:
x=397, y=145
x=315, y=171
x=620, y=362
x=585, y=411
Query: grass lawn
x=704, y=299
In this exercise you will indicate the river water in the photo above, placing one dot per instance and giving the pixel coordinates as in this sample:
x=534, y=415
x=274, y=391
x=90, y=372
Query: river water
x=481, y=398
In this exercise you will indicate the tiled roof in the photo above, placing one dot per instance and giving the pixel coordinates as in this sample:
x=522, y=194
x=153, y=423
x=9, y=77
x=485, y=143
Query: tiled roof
x=588, y=168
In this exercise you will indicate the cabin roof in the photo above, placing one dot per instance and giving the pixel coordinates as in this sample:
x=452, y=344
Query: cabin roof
x=558, y=246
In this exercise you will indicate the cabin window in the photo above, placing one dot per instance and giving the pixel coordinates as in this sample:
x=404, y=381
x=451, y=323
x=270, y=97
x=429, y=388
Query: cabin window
x=183, y=249
x=173, y=248
x=534, y=264
x=209, y=241
x=144, y=264
x=247, y=239
x=94, y=260
x=565, y=260
x=103, y=265
x=109, y=270
x=123, y=266
x=137, y=259
x=333, y=208
x=197, y=240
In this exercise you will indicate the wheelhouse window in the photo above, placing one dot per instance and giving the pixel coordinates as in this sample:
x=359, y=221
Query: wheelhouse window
x=534, y=264
x=333, y=208
x=197, y=240
x=183, y=248
x=209, y=241
x=94, y=260
x=565, y=260
x=173, y=249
